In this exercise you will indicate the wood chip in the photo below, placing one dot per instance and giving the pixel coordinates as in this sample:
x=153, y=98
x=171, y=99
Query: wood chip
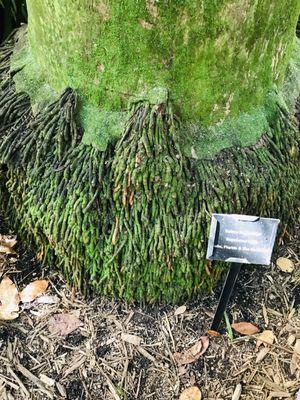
x=75, y=365
x=47, y=299
x=61, y=389
x=291, y=340
x=132, y=339
x=237, y=392
x=279, y=395
x=46, y=380
x=262, y=354
x=295, y=362
x=145, y=353
x=29, y=375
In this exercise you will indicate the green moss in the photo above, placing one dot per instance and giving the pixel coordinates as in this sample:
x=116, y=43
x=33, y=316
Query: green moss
x=216, y=58
x=198, y=140
x=132, y=221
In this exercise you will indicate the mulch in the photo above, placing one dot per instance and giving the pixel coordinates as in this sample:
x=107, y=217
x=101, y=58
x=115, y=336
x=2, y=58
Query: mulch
x=96, y=361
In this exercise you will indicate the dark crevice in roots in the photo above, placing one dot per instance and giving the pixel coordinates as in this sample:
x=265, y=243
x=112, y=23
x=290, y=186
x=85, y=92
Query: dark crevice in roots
x=132, y=221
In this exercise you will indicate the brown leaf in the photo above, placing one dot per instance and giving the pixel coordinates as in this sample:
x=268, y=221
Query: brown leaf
x=285, y=264
x=245, y=328
x=63, y=324
x=210, y=332
x=7, y=243
x=265, y=338
x=9, y=300
x=193, y=353
x=191, y=393
x=33, y=290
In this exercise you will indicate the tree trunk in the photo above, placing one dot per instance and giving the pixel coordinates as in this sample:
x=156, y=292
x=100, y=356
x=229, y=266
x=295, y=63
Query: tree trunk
x=126, y=124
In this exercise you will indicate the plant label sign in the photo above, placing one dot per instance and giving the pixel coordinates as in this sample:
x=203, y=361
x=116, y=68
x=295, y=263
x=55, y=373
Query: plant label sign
x=241, y=239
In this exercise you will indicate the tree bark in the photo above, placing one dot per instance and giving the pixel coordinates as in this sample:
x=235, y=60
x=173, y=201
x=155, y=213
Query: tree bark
x=186, y=108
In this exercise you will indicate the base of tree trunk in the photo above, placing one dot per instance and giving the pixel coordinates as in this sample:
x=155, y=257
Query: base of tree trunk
x=132, y=221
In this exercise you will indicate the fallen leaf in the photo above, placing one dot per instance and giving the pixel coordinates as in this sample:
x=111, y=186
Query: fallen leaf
x=63, y=324
x=7, y=243
x=180, y=310
x=245, y=328
x=210, y=332
x=33, y=290
x=191, y=393
x=265, y=338
x=285, y=264
x=9, y=300
x=132, y=339
x=193, y=353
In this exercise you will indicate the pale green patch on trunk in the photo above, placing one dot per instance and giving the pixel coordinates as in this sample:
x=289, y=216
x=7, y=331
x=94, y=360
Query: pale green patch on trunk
x=218, y=60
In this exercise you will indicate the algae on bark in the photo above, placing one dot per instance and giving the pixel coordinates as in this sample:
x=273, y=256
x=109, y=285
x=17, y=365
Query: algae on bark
x=218, y=60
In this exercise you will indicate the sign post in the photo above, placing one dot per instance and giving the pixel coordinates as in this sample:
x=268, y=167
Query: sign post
x=239, y=239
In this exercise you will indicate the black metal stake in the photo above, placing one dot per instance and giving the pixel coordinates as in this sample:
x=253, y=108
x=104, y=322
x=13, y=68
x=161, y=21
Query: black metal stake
x=231, y=278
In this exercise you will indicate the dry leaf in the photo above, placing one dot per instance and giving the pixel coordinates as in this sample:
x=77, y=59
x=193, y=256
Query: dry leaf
x=7, y=243
x=63, y=324
x=191, y=393
x=245, y=328
x=193, y=353
x=265, y=338
x=210, y=332
x=180, y=310
x=9, y=300
x=33, y=290
x=132, y=339
x=285, y=264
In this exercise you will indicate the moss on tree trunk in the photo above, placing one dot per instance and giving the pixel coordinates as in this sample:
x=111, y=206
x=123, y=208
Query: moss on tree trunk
x=184, y=112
